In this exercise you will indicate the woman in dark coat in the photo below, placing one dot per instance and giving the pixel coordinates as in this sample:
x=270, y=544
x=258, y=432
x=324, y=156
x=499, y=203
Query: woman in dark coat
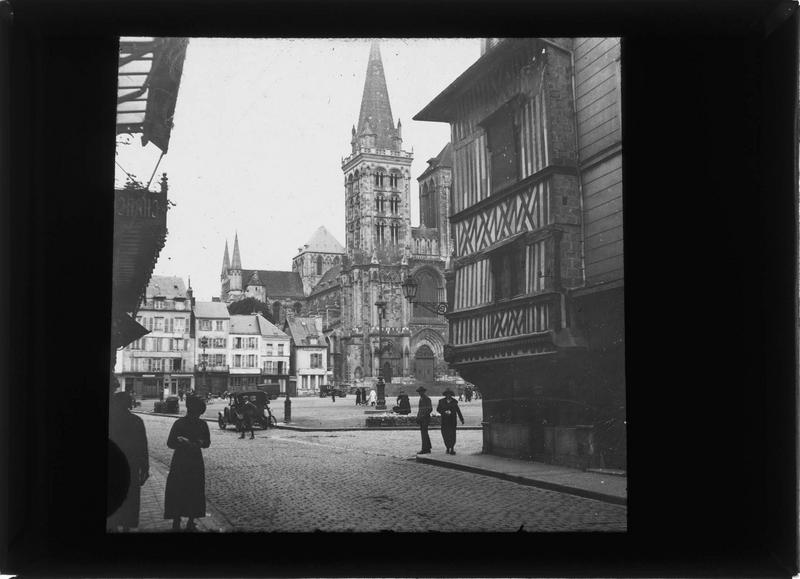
x=126, y=430
x=448, y=408
x=358, y=397
x=185, y=495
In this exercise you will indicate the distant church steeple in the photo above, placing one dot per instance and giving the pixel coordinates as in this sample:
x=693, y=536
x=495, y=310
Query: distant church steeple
x=226, y=262
x=237, y=261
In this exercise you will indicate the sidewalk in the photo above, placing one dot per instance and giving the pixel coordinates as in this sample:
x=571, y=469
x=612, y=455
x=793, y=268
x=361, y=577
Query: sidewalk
x=603, y=487
x=151, y=513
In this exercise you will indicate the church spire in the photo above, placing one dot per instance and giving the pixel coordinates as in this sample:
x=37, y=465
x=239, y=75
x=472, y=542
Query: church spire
x=375, y=118
x=236, y=263
x=226, y=262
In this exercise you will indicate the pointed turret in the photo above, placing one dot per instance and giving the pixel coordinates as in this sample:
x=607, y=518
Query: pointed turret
x=236, y=263
x=226, y=262
x=375, y=123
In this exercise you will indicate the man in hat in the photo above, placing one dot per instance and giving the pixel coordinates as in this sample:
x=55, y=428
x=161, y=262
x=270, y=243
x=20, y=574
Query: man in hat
x=424, y=419
x=448, y=408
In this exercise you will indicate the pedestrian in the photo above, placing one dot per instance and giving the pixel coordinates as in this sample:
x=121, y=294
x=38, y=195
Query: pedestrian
x=127, y=431
x=358, y=397
x=460, y=394
x=245, y=414
x=468, y=394
x=373, y=397
x=333, y=394
x=185, y=494
x=448, y=408
x=363, y=396
x=180, y=394
x=424, y=419
x=403, y=404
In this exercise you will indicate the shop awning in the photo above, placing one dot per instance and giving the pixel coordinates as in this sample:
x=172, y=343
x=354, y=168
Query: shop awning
x=149, y=75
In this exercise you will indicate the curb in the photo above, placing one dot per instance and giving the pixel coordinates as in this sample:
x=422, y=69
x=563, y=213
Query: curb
x=284, y=426
x=587, y=494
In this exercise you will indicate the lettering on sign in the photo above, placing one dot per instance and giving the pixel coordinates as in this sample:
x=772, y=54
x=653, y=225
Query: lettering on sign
x=135, y=204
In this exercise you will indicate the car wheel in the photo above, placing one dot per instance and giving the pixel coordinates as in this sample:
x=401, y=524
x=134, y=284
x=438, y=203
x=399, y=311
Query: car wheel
x=221, y=422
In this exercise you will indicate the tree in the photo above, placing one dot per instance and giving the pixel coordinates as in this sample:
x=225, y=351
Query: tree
x=249, y=306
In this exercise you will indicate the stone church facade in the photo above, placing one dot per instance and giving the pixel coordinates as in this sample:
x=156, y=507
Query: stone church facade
x=341, y=285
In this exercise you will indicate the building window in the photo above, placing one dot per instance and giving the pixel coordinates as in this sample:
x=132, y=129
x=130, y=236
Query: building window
x=159, y=304
x=237, y=343
x=205, y=325
x=269, y=350
x=177, y=365
x=177, y=344
x=280, y=368
x=252, y=361
x=237, y=360
x=502, y=147
x=319, y=265
x=220, y=325
x=395, y=231
x=280, y=349
x=158, y=326
x=316, y=360
x=380, y=232
x=269, y=367
x=508, y=272
x=394, y=204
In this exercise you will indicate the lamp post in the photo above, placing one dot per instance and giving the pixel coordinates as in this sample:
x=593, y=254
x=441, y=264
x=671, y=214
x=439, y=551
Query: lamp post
x=381, y=386
x=204, y=362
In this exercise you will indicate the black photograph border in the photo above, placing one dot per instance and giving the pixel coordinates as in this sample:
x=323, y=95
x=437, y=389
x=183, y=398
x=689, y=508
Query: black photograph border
x=710, y=189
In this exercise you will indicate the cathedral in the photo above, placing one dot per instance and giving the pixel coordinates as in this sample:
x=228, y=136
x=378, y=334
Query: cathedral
x=405, y=341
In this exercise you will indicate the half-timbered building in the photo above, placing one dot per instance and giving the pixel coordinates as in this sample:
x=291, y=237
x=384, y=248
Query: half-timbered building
x=536, y=282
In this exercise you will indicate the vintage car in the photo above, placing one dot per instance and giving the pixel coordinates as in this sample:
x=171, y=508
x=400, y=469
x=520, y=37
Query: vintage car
x=326, y=389
x=232, y=413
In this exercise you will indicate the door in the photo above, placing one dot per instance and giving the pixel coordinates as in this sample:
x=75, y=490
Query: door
x=423, y=364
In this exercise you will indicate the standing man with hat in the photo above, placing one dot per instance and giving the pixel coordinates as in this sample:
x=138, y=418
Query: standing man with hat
x=424, y=419
x=448, y=408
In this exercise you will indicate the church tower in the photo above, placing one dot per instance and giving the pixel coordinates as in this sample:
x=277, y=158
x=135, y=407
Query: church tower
x=224, y=280
x=378, y=236
x=377, y=176
x=235, y=272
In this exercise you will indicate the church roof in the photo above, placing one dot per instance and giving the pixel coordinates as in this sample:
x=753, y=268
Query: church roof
x=300, y=329
x=211, y=310
x=443, y=159
x=277, y=284
x=376, y=112
x=166, y=286
x=322, y=242
x=329, y=279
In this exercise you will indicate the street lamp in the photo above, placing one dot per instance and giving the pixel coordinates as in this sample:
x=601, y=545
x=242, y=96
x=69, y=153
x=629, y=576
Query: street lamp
x=381, y=402
x=410, y=287
x=204, y=362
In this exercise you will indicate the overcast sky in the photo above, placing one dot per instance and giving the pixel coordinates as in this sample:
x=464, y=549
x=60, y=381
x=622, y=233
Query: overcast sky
x=260, y=129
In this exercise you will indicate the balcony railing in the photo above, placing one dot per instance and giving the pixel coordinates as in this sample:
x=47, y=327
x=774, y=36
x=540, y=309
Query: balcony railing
x=374, y=151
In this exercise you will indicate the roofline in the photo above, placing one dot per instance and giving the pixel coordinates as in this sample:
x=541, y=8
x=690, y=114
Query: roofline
x=437, y=109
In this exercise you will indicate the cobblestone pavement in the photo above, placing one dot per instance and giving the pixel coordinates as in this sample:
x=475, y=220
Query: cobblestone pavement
x=368, y=481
